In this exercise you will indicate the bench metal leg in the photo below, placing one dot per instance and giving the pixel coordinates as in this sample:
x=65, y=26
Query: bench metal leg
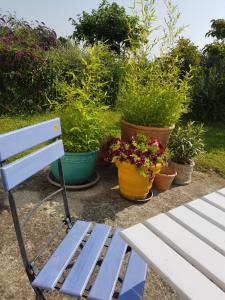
x=39, y=294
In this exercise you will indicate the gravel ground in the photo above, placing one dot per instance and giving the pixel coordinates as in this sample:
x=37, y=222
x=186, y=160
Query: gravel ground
x=101, y=203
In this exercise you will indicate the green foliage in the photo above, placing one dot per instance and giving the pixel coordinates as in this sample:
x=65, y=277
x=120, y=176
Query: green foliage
x=187, y=53
x=109, y=24
x=90, y=86
x=209, y=81
x=186, y=142
x=172, y=30
x=31, y=76
x=153, y=94
x=83, y=127
x=217, y=29
x=112, y=73
x=81, y=112
x=208, y=103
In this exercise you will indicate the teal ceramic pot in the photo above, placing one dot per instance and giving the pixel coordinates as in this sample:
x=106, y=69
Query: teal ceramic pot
x=77, y=167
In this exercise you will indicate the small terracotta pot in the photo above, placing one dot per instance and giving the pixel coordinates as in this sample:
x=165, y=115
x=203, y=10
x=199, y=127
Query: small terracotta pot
x=164, y=178
x=161, y=134
x=184, y=172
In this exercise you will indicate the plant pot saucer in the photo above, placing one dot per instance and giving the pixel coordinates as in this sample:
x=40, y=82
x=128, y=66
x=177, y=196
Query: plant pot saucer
x=93, y=181
x=136, y=201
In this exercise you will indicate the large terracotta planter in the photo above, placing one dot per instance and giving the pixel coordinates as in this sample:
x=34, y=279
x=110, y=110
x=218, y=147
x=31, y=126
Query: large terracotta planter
x=184, y=172
x=132, y=185
x=164, y=178
x=161, y=134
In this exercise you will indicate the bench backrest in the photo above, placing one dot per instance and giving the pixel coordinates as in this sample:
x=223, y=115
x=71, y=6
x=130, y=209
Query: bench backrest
x=17, y=141
x=15, y=172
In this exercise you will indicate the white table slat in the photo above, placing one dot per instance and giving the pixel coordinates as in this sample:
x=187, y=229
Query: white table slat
x=222, y=191
x=208, y=211
x=216, y=199
x=185, y=278
x=205, y=230
x=202, y=256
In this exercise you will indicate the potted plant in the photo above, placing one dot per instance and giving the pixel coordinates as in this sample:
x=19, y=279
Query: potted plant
x=82, y=131
x=82, y=118
x=153, y=93
x=165, y=177
x=137, y=160
x=185, y=144
x=152, y=98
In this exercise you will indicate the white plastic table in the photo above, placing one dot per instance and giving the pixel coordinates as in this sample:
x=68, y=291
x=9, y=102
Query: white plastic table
x=186, y=246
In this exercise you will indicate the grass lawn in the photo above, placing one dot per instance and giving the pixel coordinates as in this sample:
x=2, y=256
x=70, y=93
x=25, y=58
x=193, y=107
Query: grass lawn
x=214, y=156
x=212, y=159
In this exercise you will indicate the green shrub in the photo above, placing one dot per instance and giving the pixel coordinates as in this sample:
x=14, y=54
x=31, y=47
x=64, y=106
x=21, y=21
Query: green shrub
x=208, y=104
x=209, y=80
x=81, y=113
x=186, y=142
x=83, y=127
x=113, y=65
x=153, y=94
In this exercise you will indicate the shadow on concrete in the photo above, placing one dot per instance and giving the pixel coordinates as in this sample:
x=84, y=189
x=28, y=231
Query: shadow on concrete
x=103, y=201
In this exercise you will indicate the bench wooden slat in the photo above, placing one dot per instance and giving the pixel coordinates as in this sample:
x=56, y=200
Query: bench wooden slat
x=53, y=269
x=202, y=256
x=134, y=280
x=190, y=283
x=207, y=231
x=21, y=169
x=208, y=211
x=19, y=140
x=105, y=282
x=80, y=273
x=216, y=199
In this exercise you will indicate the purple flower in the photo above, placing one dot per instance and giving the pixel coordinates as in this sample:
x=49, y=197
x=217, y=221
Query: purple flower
x=138, y=152
x=20, y=55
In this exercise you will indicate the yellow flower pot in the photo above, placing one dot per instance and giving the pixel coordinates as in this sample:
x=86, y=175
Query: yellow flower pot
x=134, y=186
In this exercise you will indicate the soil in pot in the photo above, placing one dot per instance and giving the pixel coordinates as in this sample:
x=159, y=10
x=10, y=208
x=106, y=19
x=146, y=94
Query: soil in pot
x=161, y=134
x=164, y=178
x=78, y=168
x=184, y=172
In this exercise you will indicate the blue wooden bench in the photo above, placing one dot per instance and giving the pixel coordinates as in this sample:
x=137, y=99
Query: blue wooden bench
x=86, y=248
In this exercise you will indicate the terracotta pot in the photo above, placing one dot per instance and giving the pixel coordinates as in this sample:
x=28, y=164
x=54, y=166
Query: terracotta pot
x=134, y=186
x=184, y=172
x=164, y=178
x=161, y=134
x=103, y=153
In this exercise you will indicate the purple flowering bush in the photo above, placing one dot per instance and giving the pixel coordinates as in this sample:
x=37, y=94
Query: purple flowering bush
x=139, y=151
x=25, y=72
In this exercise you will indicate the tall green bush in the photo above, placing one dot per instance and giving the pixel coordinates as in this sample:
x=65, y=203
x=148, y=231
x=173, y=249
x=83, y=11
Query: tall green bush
x=153, y=94
x=81, y=113
x=208, y=94
x=208, y=104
